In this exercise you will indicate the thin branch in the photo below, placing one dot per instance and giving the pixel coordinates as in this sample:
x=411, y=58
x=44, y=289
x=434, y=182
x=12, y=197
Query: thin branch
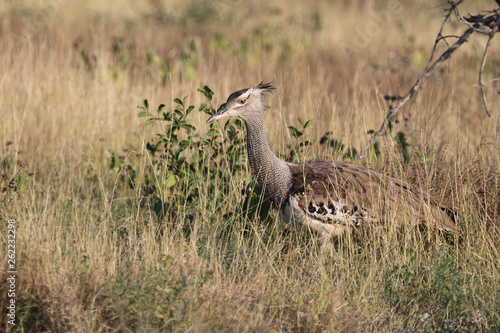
x=416, y=88
x=439, y=37
x=440, y=33
x=448, y=36
x=483, y=61
x=474, y=27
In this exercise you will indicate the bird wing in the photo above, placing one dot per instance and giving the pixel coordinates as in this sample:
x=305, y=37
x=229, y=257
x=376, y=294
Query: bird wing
x=337, y=192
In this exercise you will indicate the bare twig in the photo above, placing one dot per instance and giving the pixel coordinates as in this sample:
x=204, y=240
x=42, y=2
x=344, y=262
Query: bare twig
x=392, y=113
x=448, y=36
x=440, y=33
x=474, y=26
x=483, y=20
x=475, y=21
x=483, y=61
x=439, y=37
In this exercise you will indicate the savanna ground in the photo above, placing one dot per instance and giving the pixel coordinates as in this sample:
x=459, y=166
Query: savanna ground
x=119, y=229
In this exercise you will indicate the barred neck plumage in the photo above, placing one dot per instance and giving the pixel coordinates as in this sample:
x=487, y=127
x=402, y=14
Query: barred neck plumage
x=272, y=173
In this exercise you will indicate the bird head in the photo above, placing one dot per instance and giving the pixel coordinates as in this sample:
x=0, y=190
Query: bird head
x=244, y=103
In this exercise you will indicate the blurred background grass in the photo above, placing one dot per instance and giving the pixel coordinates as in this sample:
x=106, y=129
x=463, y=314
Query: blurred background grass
x=92, y=258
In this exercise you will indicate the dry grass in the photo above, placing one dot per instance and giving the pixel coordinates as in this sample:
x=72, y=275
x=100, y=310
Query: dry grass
x=91, y=258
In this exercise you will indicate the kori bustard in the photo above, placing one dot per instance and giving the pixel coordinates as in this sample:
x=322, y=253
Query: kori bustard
x=327, y=196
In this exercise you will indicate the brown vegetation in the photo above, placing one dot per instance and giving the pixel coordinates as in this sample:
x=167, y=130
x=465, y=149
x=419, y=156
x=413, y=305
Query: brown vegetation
x=92, y=257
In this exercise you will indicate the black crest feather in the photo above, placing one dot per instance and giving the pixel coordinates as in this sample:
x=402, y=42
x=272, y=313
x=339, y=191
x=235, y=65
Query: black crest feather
x=267, y=87
x=264, y=87
x=237, y=94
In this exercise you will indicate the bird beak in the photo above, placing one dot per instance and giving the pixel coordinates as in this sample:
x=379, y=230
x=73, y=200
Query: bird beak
x=220, y=114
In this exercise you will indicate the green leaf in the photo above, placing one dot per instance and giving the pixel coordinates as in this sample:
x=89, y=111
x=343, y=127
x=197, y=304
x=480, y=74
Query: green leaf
x=207, y=92
x=238, y=123
x=22, y=181
x=350, y=154
x=295, y=132
x=375, y=150
x=308, y=123
x=305, y=143
x=229, y=125
x=178, y=101
x=149, y=122
x=336, y=145
x=401, y=140
x=208, y=110
x=144, y=105
x=187, y=127
x=116, y=163
x=389, y=128
x=179, y=112
x=221, y=106
x=171, y=180
x=160, y=108
x=167, y=115
x=301, y=121
x=151, y=148
x=142, y=114
x=189, y=109
x=186, y=143
x=213, y=132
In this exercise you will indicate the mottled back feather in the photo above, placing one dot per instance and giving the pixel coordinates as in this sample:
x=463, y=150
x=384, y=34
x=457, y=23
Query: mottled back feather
x=321, y=187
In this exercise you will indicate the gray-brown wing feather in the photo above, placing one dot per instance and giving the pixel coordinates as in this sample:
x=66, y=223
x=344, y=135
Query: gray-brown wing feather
x=337, y=191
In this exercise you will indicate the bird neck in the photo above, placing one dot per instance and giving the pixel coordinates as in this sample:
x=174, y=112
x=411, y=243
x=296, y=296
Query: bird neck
x=272, y=173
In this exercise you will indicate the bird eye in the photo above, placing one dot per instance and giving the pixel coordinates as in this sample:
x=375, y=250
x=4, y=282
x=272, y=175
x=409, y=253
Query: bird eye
x=242, y=101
